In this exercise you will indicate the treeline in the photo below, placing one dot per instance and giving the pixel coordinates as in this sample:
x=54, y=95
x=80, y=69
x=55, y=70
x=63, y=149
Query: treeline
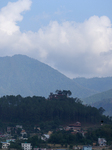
x=38, y=109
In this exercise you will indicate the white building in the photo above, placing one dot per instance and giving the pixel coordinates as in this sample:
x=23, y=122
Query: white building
x=45, y=137
x=26, y=146
x=102, y=142
x=5, y=145
x=19, y=126
x=87, y=148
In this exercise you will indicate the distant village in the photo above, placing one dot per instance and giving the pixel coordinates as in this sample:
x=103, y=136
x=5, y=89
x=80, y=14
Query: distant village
x=23, y=135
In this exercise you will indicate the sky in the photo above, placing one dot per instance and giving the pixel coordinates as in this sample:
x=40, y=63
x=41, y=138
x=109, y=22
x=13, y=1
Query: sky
x=72, y=36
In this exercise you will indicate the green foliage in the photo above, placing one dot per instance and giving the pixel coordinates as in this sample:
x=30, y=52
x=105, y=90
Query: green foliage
x=71, y=146
x=104, y=131
x=15, y=145
x=106, y=104
x=0, y=145
x=65, y=138
x=64, y=92
x=48, y=113
x=92, y=135
x=36, y=141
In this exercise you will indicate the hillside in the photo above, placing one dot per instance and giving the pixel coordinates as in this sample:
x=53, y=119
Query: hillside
x=104, y=96
x=98, y=97
x=22, y=75
x=103, y=99
x=106, y=104
x=36, y=109
x=97, y=84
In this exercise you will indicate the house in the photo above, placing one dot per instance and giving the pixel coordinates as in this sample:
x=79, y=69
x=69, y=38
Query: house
x=52, y=96
x=37, y=128
x=9, y=129
x=26, y=146
x=10, y=140
x=45, y=137
x=39, y=149
x=5, y=145
x=102, y=142
x=87, y=148
x=19, y=126
x=76, y=126
x=49, y=133
x=60, y=94
x=23, y=133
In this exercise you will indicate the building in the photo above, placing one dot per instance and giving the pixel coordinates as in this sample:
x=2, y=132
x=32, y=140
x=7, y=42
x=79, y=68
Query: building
x=45, y=137
x=19, y=126
x=76, y=126
x=10, y=140
x=39, y=149
x=102, y=142
x=26, y=146
x=5, y=145
x=23, y=133
x=87, y=148
x=9, y=129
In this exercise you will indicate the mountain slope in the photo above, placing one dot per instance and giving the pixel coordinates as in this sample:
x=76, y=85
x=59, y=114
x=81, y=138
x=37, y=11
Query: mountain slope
x=98, y=97
x=22, y=75
x=106, y=104
x=97, y=84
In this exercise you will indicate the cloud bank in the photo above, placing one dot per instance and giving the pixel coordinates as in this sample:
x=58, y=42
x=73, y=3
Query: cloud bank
x=75, y=49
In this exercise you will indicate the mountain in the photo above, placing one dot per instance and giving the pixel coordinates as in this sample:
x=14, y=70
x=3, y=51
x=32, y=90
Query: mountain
x=104, y=96
x=106, y=104
x=22, y=75
x=103, y=99
x=97, y=84
x=98, y=97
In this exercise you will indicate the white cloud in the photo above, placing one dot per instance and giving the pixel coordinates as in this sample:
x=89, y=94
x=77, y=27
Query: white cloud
x=10, y=14
x=76, y=49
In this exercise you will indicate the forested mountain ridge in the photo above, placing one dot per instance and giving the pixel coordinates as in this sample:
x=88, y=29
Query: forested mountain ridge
x=39, y=115
x=101, y=99
x=106, y=103
x=61, y=110
x=22, y=75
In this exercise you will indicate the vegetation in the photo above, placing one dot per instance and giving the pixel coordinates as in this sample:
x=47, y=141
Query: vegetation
x=102, y=132
x=65, y=137
x=106, y=104
x=51, y=112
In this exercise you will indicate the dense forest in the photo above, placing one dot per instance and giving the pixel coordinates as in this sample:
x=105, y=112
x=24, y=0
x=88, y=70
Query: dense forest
x=60, y=109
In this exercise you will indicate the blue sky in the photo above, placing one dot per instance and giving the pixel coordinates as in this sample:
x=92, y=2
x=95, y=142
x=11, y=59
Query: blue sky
x=72, y=36
x=42, y=11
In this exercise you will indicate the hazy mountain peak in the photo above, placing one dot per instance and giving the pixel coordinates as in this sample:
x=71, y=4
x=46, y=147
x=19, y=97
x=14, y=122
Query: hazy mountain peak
x=26, y=76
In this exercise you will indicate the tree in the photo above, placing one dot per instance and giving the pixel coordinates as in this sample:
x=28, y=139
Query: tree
x=64, y=92
x=67, y=93
x=71, y=146
x=101, y=110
